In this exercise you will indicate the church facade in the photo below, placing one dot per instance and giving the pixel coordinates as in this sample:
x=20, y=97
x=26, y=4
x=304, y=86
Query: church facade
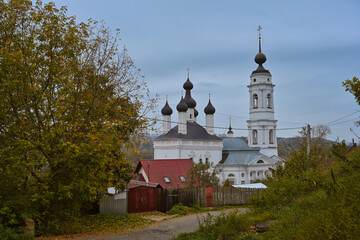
x=238, y=162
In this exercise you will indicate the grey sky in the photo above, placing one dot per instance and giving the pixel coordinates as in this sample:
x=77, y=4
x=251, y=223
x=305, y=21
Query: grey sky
x=311, y=47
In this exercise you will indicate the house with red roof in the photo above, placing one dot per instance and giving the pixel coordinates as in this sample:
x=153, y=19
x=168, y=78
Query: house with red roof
x=169, y=173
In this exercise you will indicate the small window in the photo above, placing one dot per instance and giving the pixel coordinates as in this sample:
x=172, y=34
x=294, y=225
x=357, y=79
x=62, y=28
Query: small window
x=243, y=175
x=243, y=182
x=268, y=79
x=250, y=174
x=255, y=101
x=167, y=180
x=251, y=181
x=206, y=160
x=260, y=161
x=255, y=137
x=182, y=178
x=271, y=136
x=254, y=79
x=268, y=100
x=190, y=116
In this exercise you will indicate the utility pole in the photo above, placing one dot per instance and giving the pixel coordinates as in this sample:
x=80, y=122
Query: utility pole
x=308, y=139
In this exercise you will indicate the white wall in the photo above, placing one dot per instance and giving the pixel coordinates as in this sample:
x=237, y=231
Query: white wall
x=180, y=149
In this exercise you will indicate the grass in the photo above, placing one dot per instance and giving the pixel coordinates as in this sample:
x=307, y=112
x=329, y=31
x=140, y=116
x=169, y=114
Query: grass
x=180, y=209
x=99, y=224
x=226, y=226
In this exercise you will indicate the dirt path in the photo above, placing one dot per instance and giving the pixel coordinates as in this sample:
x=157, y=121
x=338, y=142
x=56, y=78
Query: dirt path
x=165, y=230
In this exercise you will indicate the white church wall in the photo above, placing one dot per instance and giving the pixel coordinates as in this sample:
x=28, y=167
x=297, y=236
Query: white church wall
x=245, y=174
x=180, y=149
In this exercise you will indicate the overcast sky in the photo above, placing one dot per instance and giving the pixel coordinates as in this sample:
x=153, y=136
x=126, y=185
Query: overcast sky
x=311, y=47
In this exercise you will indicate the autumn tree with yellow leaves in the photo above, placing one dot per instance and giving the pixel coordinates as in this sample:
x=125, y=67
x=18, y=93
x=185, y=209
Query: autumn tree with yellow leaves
x=71, y=106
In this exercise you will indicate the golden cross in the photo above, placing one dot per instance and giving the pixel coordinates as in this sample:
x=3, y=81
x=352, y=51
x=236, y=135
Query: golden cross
x=259, y=29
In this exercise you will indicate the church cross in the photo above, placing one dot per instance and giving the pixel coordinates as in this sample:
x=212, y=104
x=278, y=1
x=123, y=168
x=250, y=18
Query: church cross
x=259, y=29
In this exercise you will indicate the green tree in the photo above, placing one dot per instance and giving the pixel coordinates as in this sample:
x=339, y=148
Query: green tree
x=202, y=175
x=71, y=108
x=353, y=86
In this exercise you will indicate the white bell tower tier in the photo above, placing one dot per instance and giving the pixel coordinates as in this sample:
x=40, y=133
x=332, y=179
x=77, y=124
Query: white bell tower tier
x=262, y=125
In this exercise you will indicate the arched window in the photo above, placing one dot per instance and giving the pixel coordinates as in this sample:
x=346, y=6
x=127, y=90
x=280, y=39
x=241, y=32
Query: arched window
x=268, y=100
x=255, y=101
x=271, y=136
x=260, y=161
x=255, y=137
x=231, y=178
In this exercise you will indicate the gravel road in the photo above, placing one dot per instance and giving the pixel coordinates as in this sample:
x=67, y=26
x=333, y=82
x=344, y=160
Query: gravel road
x=166, y=229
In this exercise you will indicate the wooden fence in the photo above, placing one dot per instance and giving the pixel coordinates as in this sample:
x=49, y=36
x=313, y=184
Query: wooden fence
x=207, y=196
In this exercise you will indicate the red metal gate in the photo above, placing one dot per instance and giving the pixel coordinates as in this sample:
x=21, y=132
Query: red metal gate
x=142, y=199
x=209, y=196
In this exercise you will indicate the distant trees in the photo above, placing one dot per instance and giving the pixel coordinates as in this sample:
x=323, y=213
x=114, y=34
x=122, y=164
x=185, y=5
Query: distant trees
x=71, y=108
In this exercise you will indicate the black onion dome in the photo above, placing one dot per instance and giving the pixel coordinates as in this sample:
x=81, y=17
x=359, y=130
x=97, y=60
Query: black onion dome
x=260, y=58
x=188, y=85
x=190, y=102
x=209, y=109
x=182, y=107
x=166, y=110
x=196, y=113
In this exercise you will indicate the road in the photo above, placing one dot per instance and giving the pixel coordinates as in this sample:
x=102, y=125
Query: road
x=166, y=229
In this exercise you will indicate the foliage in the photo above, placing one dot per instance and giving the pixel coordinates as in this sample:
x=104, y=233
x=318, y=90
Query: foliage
x=203, y=174
x=12, y=234
x=71, y=109
x=101, y=224
x=353, y=86
x=230, y=226
x=184, y=210
x=313, y=200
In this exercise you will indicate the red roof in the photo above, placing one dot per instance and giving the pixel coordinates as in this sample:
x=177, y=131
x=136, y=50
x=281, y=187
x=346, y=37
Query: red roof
x=158, y=169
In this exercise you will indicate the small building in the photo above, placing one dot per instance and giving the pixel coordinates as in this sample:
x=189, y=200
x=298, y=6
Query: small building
x=143, y=196
x=138, y=197
x=168, y=173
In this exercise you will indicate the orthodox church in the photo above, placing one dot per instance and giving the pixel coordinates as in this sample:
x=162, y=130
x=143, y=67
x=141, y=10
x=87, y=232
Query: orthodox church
x=238, y=162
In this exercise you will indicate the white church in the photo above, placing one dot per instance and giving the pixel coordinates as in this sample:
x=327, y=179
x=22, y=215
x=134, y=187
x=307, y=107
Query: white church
x=238, y=162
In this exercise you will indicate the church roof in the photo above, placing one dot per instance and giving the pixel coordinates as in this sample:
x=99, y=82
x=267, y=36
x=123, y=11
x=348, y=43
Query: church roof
x=158, y=169
x=234, y=143
x=243, y=157
x=194, y=132
x=237, y=152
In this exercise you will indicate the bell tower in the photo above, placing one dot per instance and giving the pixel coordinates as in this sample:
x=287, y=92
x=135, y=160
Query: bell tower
x=262, y=125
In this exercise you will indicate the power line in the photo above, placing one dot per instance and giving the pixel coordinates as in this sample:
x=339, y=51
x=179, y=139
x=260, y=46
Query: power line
x=343, y=122
x=341, y=118
x=218, y=127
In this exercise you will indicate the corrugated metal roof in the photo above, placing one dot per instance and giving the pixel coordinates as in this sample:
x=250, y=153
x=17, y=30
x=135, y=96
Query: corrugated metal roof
x=235, y=143
x=244, y=157
x=157, y=169
x=237, y=152
x=194, y=132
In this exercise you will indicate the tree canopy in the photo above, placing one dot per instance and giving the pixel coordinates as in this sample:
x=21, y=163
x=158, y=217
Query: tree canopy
x=71, y=105
x=353, y=86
